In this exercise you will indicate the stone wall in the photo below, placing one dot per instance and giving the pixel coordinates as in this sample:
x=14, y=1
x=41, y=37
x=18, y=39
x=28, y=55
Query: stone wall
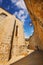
x=35, y=8
x=12, y=42
x=19, y=41
x=6, y=28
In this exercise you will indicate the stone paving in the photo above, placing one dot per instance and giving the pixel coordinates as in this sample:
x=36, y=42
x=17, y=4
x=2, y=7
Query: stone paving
x=35, y=58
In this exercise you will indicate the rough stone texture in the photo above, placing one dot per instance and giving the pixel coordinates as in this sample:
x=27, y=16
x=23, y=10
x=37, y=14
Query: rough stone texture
x=11, y=46
x=35, y=58
x=35, y=8
x=26, y=41
x=19, y=41
x=6, y=28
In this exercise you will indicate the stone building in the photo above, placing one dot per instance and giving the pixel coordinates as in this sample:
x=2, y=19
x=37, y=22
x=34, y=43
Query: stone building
x=35, y=8
x=12, y=42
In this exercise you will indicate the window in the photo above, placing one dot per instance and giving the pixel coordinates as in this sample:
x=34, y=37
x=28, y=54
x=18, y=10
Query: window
x=3, y=15
x=14, y=24
x=16, y=30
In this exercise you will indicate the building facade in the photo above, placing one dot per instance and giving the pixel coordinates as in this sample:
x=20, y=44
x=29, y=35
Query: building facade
x=12, y=42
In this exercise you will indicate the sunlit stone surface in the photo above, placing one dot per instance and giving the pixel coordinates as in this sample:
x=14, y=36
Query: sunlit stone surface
x=35, y=8
x=12, y=41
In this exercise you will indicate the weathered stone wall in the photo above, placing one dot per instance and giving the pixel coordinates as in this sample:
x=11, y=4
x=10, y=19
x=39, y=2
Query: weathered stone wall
x=12, y=42
x=35, y=8
x=6, y=28
x=19, y=41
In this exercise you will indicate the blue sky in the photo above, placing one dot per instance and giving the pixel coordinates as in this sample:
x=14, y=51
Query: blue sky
x=18, y=8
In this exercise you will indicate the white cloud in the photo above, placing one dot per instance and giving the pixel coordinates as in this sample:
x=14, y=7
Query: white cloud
x=19, y=3
x=13, y=1
x=27, y=37
x=21, y=15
